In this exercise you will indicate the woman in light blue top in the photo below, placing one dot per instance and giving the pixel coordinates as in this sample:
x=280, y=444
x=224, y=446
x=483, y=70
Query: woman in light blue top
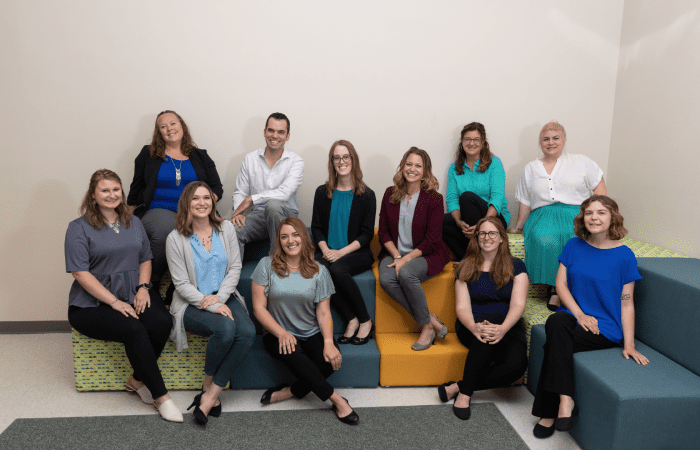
x=205, y=265
x=475, y=189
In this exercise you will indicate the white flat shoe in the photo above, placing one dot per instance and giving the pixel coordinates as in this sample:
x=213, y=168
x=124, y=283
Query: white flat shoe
x=143, y=392
x=169, y=411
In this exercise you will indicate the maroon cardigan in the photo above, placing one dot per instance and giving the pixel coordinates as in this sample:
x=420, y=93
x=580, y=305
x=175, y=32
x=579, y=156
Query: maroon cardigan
x=427, y=228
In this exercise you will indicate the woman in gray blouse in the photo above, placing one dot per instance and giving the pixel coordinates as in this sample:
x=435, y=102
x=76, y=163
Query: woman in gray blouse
x=291, y=300
x=109, y=255
x=205, y=265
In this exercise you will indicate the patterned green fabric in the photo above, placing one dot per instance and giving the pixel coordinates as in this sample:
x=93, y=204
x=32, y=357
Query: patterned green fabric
x=103, y=366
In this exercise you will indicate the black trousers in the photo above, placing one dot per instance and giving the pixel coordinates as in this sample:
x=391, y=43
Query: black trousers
x=143, y=338
x=564, y=338
x=472, y=208
x=348, y=299
x=489, y=366
x=306, y=363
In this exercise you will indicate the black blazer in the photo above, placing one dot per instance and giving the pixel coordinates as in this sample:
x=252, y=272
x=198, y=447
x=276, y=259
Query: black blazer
x=143, y=186
x=360, y=222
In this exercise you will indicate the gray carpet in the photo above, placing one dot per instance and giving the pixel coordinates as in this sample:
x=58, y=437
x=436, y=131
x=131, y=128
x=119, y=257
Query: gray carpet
x=404, y=427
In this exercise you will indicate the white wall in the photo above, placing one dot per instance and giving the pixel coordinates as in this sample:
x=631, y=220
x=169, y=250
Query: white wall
x=82, y=82
x=654, y=153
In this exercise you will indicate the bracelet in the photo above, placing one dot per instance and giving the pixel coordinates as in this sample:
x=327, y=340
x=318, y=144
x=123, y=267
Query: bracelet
x=398, y=257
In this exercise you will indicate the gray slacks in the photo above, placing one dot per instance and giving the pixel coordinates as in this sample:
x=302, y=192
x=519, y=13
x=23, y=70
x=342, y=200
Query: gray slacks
x=406, y=288
x=261, y=222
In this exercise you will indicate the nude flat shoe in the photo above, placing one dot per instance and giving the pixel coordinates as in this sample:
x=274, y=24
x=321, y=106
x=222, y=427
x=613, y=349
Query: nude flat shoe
x=169, y=411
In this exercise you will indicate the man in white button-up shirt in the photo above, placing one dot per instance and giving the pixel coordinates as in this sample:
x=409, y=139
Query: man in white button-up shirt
x=266, y=187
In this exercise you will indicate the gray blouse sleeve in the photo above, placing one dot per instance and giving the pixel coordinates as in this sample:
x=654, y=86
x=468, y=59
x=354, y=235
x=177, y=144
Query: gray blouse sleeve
x=324, y=284
x=76, y=249
x=261, y=275
x=145, y=253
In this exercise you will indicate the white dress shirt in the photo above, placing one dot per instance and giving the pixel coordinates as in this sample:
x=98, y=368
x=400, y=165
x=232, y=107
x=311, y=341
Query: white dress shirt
x=571, y=182
x=263, y=183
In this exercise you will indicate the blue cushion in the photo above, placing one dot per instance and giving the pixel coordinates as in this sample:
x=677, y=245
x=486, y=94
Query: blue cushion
x=259, y=370
x=667, y=307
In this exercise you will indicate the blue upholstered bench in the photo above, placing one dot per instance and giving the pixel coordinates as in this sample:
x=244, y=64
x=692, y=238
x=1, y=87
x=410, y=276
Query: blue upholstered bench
x=627, y=406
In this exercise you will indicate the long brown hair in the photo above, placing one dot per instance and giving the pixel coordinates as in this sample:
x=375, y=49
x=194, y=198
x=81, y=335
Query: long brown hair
x=183, y=218
x=617, y=229
x=91, y=212
x=484, y=155
x=355, y=172
x=501, y=271
x=307, y=265
x=429, y=182
x=157, y=147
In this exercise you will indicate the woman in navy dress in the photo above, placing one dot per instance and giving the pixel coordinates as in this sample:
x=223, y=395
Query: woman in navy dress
x=490, y=295
x=596, y=283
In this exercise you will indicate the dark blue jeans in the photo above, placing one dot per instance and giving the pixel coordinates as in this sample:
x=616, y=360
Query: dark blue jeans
x=229, y=340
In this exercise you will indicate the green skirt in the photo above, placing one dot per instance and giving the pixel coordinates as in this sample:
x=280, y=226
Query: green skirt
x=546, y=231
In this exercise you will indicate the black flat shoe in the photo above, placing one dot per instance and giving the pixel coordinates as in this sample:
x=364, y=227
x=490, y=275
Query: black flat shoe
x=462, y=413
x=442, y=392
x=350, y=419
x=566, y=423
x=267, y=396
x=362, y=341
x=198, y=414
x=542, y=432
x=348, y=340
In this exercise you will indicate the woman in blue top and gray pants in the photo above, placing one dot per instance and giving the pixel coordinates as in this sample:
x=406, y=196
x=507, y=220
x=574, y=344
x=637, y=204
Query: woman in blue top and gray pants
x=476, y=188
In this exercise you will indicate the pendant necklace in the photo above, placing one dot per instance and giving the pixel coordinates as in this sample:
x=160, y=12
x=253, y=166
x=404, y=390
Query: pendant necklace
x=114, y=226
x=178, y=173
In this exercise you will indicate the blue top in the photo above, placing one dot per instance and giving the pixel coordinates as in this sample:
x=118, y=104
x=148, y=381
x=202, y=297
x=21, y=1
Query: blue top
x=210, y=267
x=491, y=303
x=340, y=217
x=167, y=192
x=489, y=185
x=291, y=300
x=112, y=258
x=595, y=277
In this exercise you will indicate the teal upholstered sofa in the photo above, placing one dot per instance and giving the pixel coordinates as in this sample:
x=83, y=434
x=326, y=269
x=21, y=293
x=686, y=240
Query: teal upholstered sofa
x=627, y=406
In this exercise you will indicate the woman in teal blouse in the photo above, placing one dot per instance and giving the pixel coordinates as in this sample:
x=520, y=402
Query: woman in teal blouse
x=476, y=188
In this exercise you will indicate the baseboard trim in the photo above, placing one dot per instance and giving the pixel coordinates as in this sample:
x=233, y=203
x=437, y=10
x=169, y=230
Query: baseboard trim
x=44, y=326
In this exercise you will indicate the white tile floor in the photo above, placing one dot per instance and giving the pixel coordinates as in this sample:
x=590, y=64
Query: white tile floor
x=37, y=381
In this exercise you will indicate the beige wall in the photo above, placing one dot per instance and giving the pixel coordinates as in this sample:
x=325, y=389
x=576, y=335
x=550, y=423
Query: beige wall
x=82, y=82
x=654, y=153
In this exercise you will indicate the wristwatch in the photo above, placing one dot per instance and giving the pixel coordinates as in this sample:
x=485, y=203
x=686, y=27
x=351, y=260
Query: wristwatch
x=144, y=285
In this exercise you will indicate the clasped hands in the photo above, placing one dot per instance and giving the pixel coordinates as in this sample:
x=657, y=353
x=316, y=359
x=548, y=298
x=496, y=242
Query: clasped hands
x=467, y=230
x=209, y=300
x=332, y=255
x=488, y=333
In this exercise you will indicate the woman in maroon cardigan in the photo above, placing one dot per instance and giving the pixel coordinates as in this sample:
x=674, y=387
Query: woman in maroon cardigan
x=410, y=231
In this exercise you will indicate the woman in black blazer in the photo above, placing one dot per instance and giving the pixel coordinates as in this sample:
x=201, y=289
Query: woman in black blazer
x=161, y=172
x=343, y=227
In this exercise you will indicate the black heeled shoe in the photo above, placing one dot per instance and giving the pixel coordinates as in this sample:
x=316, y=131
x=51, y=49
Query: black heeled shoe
x=442, y=391
x=542, y=432
x=350, y=419
x=551, y=292
x=215, y=411
x=267, y=395
x=362, y=341
x=566, y=423
x=348, y=340
x=198, y=414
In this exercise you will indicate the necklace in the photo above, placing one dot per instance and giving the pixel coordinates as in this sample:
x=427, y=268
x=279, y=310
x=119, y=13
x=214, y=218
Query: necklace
x=115, y=226
x=178, y=172
x=292, y=267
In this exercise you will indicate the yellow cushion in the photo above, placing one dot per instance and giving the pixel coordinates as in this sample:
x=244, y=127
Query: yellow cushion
x=401, y=366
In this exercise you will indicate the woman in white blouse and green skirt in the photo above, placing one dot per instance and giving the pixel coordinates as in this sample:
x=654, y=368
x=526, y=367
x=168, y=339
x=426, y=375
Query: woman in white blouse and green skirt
x=550, y=191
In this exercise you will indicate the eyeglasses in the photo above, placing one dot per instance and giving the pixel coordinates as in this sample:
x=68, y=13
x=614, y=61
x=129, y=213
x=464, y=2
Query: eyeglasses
x=344, y=158
x=490, y=234
x=467, y=140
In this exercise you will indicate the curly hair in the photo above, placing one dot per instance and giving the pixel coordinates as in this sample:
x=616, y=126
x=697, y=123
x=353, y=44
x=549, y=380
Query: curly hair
x=355, y=172
x=157, y=147
x=89, y=209
x=183, y=218
x=428, y=183
x=484, y=155
x=307, y=265
x=501, y=272
x=617, y=229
